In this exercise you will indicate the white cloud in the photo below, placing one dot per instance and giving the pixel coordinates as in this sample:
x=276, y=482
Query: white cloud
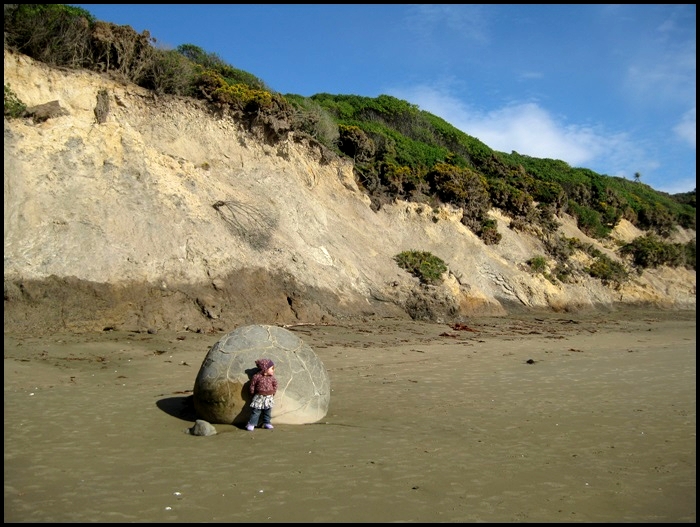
x=528, y=129
x=665, y=71
x=468, y=21
x=686, y=129
x=529, y=75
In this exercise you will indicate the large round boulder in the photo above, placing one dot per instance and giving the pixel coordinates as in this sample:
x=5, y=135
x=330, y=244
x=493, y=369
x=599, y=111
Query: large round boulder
x=221, y=392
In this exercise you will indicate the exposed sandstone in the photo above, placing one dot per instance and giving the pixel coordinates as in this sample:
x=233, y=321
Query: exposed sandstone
x=152, y=213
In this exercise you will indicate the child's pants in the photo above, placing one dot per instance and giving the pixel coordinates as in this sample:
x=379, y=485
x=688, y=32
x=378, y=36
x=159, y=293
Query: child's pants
x=255, y=416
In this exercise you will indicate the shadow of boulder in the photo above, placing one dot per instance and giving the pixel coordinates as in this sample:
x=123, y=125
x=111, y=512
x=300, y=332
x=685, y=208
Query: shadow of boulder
x=181, y=407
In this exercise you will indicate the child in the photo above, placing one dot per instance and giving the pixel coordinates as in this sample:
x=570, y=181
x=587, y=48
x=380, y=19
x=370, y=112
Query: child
x=263, y=387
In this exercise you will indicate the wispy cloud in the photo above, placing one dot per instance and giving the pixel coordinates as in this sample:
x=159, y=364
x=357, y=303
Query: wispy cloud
x=686, y=129
x=664, y=70
x=530, y=75
x=468, y=21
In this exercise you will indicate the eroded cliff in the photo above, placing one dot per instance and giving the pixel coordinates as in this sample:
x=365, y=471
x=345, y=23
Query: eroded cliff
x=130, y=211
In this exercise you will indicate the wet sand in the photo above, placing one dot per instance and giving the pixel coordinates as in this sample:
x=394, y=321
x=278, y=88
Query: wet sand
x=527, y=418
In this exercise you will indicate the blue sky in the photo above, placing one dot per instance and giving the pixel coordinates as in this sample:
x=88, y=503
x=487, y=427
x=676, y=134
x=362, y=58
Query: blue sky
x=606, y=87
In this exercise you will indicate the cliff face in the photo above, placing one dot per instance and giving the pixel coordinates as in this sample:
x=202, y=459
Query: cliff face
x=130, y=211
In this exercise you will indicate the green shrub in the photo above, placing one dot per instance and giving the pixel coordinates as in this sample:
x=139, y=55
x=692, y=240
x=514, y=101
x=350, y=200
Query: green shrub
x=559, y=247
x=590, y=221
x=57, y=34
x=425, y=266
x=538, y=264
x=607, y=270
x=650, y=251
x=690, y=252
x=170, y=72
x=489, y=232
x=212, y=61
x=355, y=143
x=562, y=272
x=13, y=107
x=311, y=118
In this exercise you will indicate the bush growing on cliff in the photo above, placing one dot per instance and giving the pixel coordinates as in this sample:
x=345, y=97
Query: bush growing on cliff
x=171, y=73
x=538, y=264
x=311, y=118
x=12, y=106
x=467, y=189
x=425, y=266
x=608, y=270
x=52, y=33
x=650, y=251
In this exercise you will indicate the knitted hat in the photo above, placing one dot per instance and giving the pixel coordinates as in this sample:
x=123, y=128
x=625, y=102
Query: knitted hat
x=264, y=364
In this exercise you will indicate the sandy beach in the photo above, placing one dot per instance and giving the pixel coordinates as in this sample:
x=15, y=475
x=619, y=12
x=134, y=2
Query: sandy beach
x=557, y=417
